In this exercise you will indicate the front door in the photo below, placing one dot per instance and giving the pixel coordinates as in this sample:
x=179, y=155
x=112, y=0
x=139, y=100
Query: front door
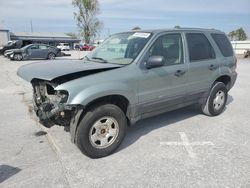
x=163, y=87
x=33, y=51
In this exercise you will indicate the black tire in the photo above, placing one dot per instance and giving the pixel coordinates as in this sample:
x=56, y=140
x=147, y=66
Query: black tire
x=87, y=127
x=18, y=57
x=51, y=56
x=212, y=107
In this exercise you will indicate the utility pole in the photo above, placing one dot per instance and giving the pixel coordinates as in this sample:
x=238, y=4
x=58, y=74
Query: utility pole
x=31, y=26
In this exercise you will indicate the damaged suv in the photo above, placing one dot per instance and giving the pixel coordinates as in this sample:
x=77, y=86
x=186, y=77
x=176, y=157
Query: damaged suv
x=131, y=76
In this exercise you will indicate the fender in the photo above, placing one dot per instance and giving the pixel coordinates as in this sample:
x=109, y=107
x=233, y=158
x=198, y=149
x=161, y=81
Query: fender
x=96, y=91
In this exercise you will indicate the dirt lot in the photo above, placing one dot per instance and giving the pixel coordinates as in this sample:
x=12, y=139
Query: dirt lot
x=178, y=149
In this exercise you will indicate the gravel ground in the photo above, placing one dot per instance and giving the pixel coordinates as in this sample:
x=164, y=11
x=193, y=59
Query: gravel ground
x=182, y=148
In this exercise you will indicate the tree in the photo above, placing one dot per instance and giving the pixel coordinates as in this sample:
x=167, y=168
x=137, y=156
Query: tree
x=177, y=27
x=86, y=17
x=240, y=34
x=72, y=35
x=232, y=35
x=136, y=28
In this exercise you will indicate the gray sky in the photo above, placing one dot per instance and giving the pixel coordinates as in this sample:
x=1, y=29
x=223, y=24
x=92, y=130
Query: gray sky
x=122, y=15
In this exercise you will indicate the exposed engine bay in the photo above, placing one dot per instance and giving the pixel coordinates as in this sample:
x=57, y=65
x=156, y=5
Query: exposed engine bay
x=49, y=104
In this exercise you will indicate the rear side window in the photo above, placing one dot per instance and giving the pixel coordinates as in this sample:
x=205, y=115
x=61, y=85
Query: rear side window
x=223, y=43
x=199, y=47
x=42, y=47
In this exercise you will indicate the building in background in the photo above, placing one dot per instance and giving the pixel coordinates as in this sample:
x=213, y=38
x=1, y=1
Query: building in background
x=52, y=39
x=4, y=36
x=241, y=46
x=28, y=38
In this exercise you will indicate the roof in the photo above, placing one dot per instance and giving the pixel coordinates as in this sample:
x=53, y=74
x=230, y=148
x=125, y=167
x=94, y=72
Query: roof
x=57, y=37
x=40, y=34
x=177, y=29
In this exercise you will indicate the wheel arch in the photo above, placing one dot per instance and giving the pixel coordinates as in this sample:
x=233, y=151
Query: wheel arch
x=119, y=100
x=224, y=79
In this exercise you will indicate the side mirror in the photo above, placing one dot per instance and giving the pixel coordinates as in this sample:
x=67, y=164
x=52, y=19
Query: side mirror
x=155, y=61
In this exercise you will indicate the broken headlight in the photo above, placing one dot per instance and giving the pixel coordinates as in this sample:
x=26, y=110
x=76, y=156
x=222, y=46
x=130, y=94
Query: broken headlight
x=62, y=96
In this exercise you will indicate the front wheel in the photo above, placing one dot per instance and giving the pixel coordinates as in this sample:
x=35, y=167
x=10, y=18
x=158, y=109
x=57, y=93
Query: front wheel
x=18, y=57
x=216, y=100
x=101, y=131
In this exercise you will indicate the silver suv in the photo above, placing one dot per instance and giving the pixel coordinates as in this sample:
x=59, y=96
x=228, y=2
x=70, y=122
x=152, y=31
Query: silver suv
x=131, y=76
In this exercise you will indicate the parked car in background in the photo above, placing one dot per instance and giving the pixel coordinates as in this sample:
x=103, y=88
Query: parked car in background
x=11, y=45
x=63, y=46
x=87, y=47
x=77, y=47
x=132, y=76
x=7, y=53
x=34, y=51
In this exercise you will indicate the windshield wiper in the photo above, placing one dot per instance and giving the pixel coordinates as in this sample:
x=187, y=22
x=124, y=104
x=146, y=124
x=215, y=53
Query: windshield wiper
x=101, y=59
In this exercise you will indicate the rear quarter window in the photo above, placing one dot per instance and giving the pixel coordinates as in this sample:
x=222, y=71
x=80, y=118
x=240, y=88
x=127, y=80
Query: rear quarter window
x=223, y=43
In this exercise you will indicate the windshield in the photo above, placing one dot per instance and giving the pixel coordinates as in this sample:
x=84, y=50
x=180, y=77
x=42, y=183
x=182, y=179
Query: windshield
x=121, y=48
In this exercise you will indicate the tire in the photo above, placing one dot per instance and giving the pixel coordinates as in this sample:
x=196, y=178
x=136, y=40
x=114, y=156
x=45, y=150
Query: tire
x=216, y=100
x=18, y=57
x=51, y=56
x=101, y=131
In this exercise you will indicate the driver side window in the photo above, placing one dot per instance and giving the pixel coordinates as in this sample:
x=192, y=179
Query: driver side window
x=34, y=47
x=170, y=47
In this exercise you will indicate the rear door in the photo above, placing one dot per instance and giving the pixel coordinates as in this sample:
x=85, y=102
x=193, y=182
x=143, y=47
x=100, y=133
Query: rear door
x=44, y=50
x=163, y=87
x=203, y=65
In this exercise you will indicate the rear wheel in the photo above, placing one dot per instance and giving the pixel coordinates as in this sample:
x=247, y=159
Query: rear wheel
x=216, y=100
x=101, y=131
x=51, y=56
x=18, y=57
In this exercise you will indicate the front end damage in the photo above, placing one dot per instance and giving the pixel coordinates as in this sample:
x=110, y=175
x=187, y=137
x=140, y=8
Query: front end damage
x=50, y=105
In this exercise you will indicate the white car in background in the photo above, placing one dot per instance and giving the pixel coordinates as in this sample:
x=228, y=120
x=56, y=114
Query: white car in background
x=63, y=46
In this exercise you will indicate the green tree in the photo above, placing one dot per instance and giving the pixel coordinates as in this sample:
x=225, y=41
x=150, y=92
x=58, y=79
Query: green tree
x=238, y=34
x=232, y=35
x=241, y=34
x=86, y=17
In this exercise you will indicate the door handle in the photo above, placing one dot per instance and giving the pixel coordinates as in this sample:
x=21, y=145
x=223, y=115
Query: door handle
x=212, y=67
x=179, y=73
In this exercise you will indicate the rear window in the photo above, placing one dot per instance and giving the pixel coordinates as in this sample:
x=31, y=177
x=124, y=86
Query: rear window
x=223, y=43
x=199, y=47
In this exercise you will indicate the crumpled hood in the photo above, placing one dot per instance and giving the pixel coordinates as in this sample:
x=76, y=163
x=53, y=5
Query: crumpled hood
x=50, y=70
x=13, y=50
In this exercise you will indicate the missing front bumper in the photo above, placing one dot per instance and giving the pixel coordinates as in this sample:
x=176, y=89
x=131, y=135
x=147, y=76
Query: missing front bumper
x=50, y=114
